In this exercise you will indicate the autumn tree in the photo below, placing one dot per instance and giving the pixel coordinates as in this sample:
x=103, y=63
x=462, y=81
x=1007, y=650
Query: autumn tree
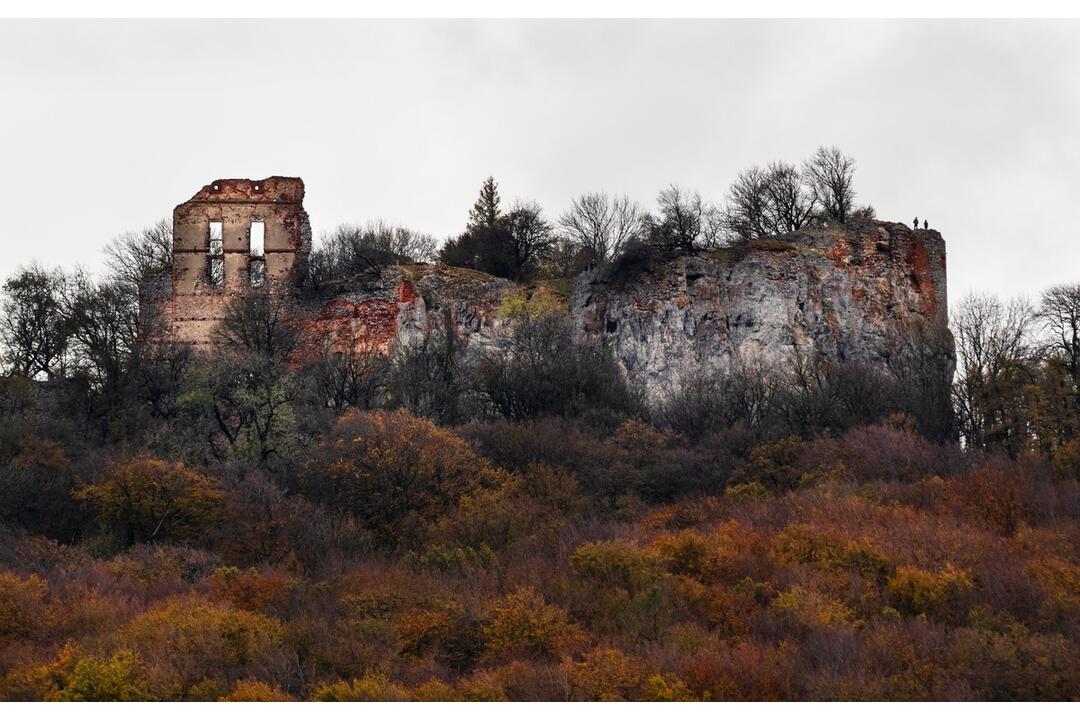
x=144, y=499
x=393, y=472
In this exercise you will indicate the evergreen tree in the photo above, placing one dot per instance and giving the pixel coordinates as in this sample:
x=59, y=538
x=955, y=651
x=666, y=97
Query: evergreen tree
x=485, y=212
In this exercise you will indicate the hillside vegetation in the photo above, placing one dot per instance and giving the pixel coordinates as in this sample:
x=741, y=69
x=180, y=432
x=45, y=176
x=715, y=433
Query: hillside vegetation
x=458, y=523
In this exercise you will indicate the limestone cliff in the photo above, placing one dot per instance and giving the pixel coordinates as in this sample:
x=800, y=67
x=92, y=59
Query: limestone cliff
x=399, y=305
x=871, y=293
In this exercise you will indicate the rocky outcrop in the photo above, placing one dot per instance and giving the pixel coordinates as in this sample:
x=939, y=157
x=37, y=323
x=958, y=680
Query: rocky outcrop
x=399, y=304
x=873, y=293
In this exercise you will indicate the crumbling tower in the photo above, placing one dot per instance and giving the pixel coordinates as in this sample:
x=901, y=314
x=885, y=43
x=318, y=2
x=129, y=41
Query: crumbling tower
x=233, y=238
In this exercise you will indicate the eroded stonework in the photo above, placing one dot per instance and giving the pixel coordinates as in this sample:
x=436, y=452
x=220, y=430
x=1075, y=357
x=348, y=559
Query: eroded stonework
x=215, y=251
x=400, y=305
x=215, y=260
x=872, y=293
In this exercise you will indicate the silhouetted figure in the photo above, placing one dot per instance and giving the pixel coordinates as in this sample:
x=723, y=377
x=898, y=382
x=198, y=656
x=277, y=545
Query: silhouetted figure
x=915, y=223
x=925, y=224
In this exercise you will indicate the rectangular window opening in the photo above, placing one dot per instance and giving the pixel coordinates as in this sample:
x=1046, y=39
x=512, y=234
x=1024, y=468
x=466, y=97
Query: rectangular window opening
x=215, y=230
x=258, y=273
x=216, y=265
x=258, y=236
x=217, y=271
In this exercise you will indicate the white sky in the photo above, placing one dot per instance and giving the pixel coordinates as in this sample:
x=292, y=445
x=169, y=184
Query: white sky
x=106, y=125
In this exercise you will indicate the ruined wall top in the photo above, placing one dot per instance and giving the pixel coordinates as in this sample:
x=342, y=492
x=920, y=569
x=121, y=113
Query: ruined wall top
x=274, y=189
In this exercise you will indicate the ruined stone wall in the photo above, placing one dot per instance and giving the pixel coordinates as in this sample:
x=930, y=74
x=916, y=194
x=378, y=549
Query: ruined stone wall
x=400, y=305
x=194, y=304
x=395, y=305
x=871, y=293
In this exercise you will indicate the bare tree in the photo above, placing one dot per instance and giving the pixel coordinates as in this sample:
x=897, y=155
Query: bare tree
x=260, y=325
x=104, y=327
x=34, y=326
x=354, y=377
x=1060, y=314
x=712, y=400
x=995, y=357
x=747, y=215
x=830, y=174
x=353, y=249
x=602, y=225
x=135, y=257
x=685, y=221
x=428, y=377
x=790, y=203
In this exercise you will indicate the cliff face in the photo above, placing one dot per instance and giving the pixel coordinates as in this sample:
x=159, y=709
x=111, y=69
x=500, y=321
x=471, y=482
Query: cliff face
x=871, y=293
x=874, y=293
x=400, y=305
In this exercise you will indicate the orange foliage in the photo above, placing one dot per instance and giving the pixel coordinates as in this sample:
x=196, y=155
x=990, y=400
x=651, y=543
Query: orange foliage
x=146, y=500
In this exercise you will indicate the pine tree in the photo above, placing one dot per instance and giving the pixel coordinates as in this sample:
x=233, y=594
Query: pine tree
x=485, y=212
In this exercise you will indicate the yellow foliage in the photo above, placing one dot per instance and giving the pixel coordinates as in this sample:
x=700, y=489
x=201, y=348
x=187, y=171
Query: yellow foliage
x=372, y=687
x=1061, y=579
x=200, y=639
x=522, y=622
x=396, y=471
x=526, y=304
x=483, y=687
x=812, y=609
x=607, y=674
x=121, y=678
x=144, y=499
x=1067, y=460
x=616, y=563
x=801, y=542
x=747, y=490
x=435, y=690
x=256, y=691
x=685, y=554
x=22, y=605
x=41, y=681
x=665, y=688
x=939, y=595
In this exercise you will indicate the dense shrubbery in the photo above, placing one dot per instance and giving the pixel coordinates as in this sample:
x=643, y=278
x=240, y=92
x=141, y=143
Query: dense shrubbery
x=547, y=559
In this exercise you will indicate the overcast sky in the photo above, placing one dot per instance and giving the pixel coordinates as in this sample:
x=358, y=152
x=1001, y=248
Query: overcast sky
x=105, y=126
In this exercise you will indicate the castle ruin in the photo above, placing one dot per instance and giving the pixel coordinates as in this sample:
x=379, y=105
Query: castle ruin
x=233, y=238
